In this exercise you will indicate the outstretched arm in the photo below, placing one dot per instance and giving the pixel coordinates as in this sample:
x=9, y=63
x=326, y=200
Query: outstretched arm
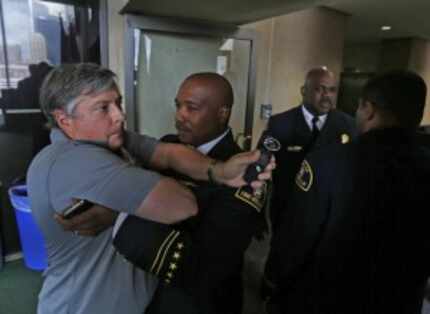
x=190, y=162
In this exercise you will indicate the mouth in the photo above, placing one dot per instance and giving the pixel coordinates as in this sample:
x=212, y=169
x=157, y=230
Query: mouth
x=117, y=134
x=180, y=128
x=326, y=103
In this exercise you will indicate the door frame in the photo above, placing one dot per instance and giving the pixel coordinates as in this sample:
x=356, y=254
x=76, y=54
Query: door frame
x=185, y=27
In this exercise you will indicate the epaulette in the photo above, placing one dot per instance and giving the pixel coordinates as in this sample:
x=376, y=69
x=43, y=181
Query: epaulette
x=153, y=247
x=256, y=198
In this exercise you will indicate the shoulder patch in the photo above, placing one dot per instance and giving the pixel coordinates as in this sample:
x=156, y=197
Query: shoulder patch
x=305, y=176
x=256, y=198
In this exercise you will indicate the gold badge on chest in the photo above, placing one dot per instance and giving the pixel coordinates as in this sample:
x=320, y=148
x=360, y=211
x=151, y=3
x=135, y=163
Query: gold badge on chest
x=344, y=138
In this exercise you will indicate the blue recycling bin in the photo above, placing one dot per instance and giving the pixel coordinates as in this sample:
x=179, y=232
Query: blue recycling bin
x=33, y=245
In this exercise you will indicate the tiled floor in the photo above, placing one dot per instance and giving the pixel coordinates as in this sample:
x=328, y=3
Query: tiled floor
x=426, y=307
x=254, y=264
x=19, y=288
x=253, y=270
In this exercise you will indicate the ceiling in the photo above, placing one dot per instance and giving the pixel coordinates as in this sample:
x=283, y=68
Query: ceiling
x=221, y=11
x=408, y=18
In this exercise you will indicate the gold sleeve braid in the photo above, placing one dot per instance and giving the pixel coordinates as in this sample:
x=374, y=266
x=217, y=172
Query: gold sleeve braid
x=168, y=258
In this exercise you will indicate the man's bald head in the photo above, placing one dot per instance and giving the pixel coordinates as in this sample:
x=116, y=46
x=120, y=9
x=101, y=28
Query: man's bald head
x=319, y=91
x=203, y=107
x=316, y=73
x=218, y=84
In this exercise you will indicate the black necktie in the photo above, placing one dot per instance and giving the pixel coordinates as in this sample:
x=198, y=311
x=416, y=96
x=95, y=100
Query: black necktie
x=315, y=130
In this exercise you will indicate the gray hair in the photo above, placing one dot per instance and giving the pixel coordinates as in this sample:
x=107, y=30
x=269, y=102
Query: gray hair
x=65, y=83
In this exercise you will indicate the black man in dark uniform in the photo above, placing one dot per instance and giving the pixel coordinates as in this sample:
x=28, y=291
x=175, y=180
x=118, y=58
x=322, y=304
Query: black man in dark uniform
x=306, y=128
x=211, y=280
x=356, y=239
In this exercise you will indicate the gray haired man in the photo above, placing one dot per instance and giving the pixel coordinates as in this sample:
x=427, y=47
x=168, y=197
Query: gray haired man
x=90, y=158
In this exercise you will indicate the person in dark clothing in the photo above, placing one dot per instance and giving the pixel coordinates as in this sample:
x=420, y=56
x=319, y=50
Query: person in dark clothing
x=306, y=128
x=355, y=240
x=210, y=281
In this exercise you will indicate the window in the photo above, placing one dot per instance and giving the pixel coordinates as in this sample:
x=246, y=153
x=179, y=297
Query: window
x=34, y=36
x=39, y=34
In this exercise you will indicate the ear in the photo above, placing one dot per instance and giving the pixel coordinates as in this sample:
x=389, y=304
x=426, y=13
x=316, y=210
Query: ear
x=62, y=119
x=302, y=90
x=224, y=114
x=369, y=110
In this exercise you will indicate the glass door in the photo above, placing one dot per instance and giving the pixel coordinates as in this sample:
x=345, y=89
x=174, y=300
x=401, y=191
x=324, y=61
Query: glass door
x=162, y=53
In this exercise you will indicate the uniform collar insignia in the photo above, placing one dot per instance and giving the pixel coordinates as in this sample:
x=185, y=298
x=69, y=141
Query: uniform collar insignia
x=294, y=148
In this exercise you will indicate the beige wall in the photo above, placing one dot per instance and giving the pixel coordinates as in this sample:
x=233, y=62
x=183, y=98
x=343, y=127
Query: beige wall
x=408, y=53
x=116, y=39
x=292, y=44
x=419, y=61
x=392, y=54
x=289, y=46
x=362, y=57
x=264, y=31
x=395, y=54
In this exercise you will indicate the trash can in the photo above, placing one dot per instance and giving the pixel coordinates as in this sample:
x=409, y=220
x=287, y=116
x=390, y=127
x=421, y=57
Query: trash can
x=33, y=245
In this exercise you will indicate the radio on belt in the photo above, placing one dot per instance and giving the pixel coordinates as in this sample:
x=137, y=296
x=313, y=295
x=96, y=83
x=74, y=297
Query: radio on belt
x=267, y=146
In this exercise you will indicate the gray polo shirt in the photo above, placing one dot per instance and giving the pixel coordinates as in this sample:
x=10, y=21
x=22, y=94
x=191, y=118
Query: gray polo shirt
x=86, y=275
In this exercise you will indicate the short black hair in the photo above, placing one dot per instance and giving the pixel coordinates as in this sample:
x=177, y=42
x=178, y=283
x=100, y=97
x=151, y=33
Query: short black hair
x=400, y=93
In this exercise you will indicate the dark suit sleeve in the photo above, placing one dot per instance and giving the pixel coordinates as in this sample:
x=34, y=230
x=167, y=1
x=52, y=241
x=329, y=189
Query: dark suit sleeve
x=229, y=220
x=302, y=226
x=226, y=228
x=187, y=254
x=158, y=249
x=271, y=127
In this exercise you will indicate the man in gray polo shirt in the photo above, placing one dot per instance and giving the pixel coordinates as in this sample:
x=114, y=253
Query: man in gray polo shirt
x=88, y=160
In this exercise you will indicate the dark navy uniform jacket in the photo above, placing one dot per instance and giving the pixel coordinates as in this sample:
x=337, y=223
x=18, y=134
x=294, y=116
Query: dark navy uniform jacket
x=208, y=276
x=356, y=239
x=228, y=220
x=291, y=130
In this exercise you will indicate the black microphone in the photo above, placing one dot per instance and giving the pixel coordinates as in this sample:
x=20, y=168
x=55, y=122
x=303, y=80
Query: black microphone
x=267, y=145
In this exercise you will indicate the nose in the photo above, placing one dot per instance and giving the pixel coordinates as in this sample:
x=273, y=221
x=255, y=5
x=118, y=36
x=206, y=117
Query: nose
x=324, y=91
x=117, y=114
x=180, y=113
